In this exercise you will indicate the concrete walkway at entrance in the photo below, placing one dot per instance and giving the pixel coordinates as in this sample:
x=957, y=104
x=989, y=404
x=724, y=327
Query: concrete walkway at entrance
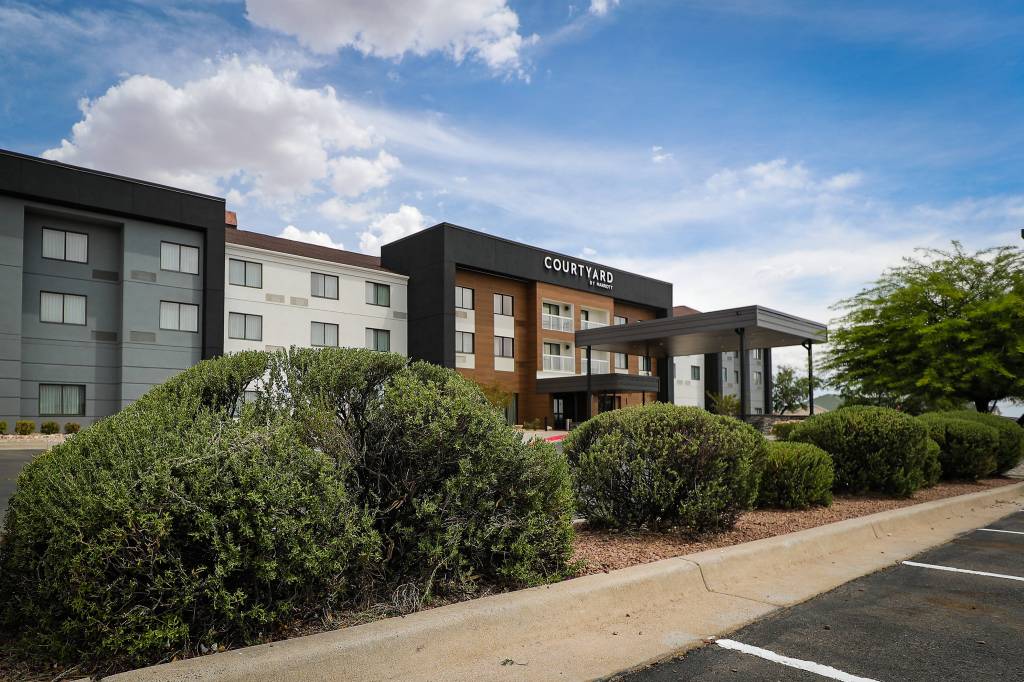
x=597, y=625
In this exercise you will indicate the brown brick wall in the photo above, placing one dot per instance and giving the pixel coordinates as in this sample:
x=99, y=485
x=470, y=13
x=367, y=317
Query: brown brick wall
x=530, y=336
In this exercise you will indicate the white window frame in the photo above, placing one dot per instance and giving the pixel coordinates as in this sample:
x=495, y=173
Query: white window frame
x=325, y=279
x=694, y=372
x=64, y=308
x=499, y=304
x=246, y=266
x=504, y=347
x=372, y=336
x=371, y=294
x=245, y=327
x=624, y=358
x=460, y=343
x=324, y=328
x=79, y=410
x=177, y=249
x=178, y=307
x=64, y=245
x=460, y=298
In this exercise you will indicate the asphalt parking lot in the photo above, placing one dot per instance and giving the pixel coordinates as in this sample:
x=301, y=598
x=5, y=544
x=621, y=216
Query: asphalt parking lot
x=909, y=622
x=11, y=464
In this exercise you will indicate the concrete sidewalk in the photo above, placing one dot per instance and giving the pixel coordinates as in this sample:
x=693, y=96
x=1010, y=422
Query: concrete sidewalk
x=598, y=625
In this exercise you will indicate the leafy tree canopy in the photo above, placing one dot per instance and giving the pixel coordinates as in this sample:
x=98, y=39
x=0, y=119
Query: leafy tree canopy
x=791, y=392
x=942, y=329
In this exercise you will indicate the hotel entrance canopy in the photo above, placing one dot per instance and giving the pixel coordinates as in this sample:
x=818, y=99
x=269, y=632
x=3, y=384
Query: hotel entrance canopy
x=713, y=332
x=720, y=331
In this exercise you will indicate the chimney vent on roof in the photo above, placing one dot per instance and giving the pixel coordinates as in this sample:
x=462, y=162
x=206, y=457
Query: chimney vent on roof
x=231, y=219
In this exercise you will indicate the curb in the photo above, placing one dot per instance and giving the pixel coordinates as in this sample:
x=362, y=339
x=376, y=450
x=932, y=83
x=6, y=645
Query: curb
x=598, y=625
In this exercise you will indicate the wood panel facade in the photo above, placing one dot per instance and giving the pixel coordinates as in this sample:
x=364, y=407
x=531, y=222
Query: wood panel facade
x=530, y=337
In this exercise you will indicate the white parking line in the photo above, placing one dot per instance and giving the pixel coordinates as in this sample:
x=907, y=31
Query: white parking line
x=999, y=530
x=809, y=666
x=963, y=570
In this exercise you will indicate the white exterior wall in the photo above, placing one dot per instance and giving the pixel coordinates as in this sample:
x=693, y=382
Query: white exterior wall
x=689, y=391
x=287, y=285
x=731, y=362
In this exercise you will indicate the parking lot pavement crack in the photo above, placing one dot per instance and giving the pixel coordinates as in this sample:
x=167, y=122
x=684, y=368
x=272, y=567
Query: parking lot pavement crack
x=707, y=587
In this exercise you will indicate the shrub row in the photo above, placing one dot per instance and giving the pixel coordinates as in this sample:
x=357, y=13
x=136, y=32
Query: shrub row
x=24, y=427
x=193, y=517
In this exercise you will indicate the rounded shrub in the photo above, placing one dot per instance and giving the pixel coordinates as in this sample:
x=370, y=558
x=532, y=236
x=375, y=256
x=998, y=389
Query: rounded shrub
x=782, y=430
x=664, y=465
x=72, y=427
x=49, y=428
x=874, y=449
x=1010, y=450
x=23, y=427
x=193, y=517
x=796, y=476
x=967, y=449
x=3, y=428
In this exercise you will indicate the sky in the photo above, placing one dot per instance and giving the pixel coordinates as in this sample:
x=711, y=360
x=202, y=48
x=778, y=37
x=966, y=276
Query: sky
x=779, y=153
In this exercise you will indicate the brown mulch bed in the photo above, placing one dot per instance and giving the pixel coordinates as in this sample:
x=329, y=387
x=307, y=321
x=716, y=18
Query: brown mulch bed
x=603, y=551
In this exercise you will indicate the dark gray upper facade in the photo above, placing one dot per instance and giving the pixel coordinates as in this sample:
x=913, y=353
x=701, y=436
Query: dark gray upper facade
x=430, y=258
x=121, y=350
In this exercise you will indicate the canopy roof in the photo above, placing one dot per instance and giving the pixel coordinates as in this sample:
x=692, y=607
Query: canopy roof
x=700, y=333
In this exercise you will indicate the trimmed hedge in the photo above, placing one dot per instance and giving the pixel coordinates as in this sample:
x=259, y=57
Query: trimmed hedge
x=24, y=427
x=72, y=427
x=664, y=466
x=3, y=428
x=967, y=449
x=874, y=449
x=49, y=428
x=782, y=430
x=796, y=476
x=1011, y=436
x=190, y=518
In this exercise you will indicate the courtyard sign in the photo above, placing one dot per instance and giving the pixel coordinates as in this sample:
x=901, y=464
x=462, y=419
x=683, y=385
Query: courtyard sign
x=595, y=277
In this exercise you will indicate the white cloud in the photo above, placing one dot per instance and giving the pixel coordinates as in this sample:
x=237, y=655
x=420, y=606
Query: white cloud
x=355, y=175
x=310, y=237
x=602, y=7
x=242, y=126
x=844, y=181
x=339, y=210
x=659, y=155
x=486, y=29
x=403, y=222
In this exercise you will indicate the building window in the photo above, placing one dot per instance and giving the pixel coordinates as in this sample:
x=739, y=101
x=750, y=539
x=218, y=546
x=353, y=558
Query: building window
x=64, y=245
x=552, y=309
x=324, y=334
x=725, y=375
x=378, y=339
x=503, y=347
x=758, y=410
x=61, y=400
x=695, y=372
x=463, y=298
x=464, y=342
x=179, y=317
x=378, y=294
x=245, y=327
x=61, y=308
x=179, y=258
x=736, y=375
x=245, y=273
x=758, y=377
x=619, y=319
x=758, y=353
x=584, y=314
x=323, y=286
x=621, y=361
x=645, y=363
x=502, y=304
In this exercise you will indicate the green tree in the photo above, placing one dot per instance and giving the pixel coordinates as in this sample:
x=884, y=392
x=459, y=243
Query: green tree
x=944, y=328
x=789, y=391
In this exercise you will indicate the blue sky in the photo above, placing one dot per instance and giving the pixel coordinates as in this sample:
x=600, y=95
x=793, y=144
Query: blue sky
x=781, y=153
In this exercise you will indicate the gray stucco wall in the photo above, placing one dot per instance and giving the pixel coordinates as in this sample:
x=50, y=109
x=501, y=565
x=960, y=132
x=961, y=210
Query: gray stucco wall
x=11, y=234
x=121, y=351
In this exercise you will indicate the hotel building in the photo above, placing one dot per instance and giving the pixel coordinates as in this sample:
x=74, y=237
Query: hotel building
x=113, y=285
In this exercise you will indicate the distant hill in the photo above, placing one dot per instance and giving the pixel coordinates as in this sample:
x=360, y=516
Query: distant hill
x=829, y=401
